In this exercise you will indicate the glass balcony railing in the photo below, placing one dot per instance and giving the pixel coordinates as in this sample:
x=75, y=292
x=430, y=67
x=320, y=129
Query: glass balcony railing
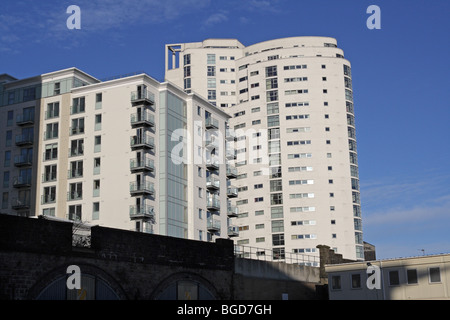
x=212, y=183
x=24, y=139
x=231, y=171
x=142, y=164
x=142, y=212
x=142, y=188
x=232, y=211
x=23, y=119
x=212, y=163
x=232, y=192
x=233, y=231
x=211, y=123
x=23, y=160
x=142, y=142
x=142, y=118
x=142, y=96
x=213, y=203
x=74, y=195
x=212, y=224
x=22, y=182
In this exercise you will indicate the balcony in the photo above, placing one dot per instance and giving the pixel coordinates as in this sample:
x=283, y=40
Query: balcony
x=212, y=183
x=232, y=211
x=211, y=123
x=212, y=163
x=231, y=171
x=141, y=188
x=232, y=192
x=79, y=108
x=76, y=130
x=141, y=165
x=23, y=160
x=20, y=204
x=212, y=224
x=212, y=141
x=74, y=195
x=142, y=97
x=230, y=135
x=24, y=140
x=230, y=154
x=142, y=119
x=21, y=182
x=213, y=203
x=233, y=231
x=142, y=212
x=48, y=198
x=48, y=177
x=73, y=174
x=145, y=142
x=25, y=119
x=50, y=135
x=75, y=152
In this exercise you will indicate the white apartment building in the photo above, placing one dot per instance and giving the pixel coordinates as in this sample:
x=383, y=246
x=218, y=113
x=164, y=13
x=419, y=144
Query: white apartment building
x=291, y=107
x=129, y=153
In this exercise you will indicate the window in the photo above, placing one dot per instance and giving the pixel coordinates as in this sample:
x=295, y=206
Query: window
x=6, y=179
x=187, y=59
x=97, y=143
x=276, y=198
x=75, y=191
x=51, y=151
x=254, y=73
x=48, y=212
x=51, y=131
x=259, y=199
x=187, y=83
x=211, y=82
x=29, y=94
x=356, y=281
x=96, y=165
x=259, y=212
x=49, y=195
x=95, y=210
x=8, y=138
x=52, y=110
x=76, y=169
x=271, y=71
x=98, y=122
x=96, y=188
x=336, y=282
x=211, y=94
x=411, y=276
x=435, y=274
x=211, y=59
x=272, y=95
x=75, y=212
x=276, y=212
x=77, y=126
x=200, y=192
x=258, y=186
x=57, y=88
x=78, y=105
x=5, y=200
x=49, y=173
x=394, y=279
x=277, y=239
x=273, y=121
x=7, y=161
x=211, y=71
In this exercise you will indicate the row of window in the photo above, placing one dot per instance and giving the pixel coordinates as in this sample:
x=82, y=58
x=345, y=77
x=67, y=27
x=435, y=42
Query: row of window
x=411, y=277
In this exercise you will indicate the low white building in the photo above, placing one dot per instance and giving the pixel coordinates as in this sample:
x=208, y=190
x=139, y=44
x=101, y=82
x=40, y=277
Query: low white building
x=414, y=278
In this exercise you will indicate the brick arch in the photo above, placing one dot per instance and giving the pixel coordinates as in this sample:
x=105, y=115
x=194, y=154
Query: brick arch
x=60, y=273
x=205, y=287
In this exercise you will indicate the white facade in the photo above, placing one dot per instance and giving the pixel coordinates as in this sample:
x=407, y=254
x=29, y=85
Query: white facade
x=117, y=154
x=414, y=278
x=291, y=103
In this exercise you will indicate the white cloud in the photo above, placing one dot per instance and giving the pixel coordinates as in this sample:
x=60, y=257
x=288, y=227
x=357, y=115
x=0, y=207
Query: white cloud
x=215, y=19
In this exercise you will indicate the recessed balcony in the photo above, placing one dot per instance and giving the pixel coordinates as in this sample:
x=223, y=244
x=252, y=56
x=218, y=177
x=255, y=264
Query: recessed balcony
x=24, y=140
x=142, y=212
x=142, y=119
x=213, y=225
x=74, y=195
x=22, y=182
x=20, y=204
x=23, y=160
x=48, y=198
x=142, y=164
x=142, y=97
x=141, y=188
x=25, y=119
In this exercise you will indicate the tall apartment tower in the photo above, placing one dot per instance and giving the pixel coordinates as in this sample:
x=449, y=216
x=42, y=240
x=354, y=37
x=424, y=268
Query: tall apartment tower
x=291, y=107
x=129, y=153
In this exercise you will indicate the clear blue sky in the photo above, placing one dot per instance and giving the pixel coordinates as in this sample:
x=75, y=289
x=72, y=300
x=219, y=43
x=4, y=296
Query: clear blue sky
x=400, y=80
